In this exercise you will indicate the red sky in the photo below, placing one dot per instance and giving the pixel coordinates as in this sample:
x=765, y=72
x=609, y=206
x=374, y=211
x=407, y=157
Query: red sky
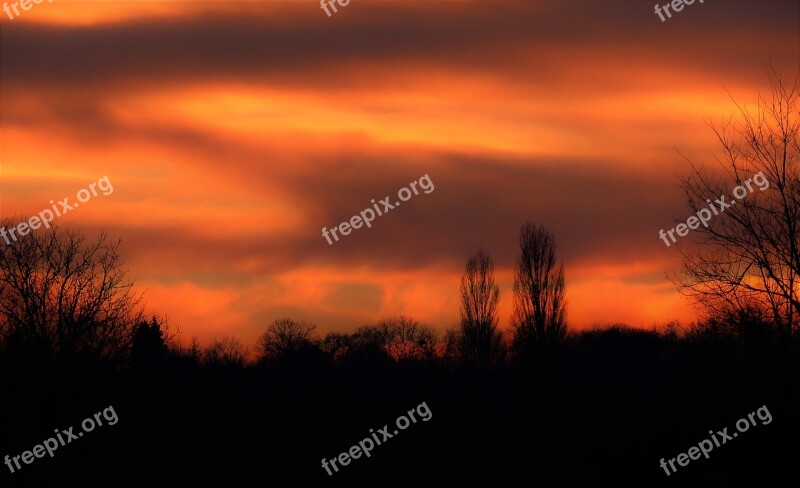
x=233, y=132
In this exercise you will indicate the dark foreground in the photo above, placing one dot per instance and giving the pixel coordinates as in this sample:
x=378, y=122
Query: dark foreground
x=602, y=412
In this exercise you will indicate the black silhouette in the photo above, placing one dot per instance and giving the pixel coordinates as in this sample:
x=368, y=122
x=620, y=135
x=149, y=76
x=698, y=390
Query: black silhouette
x=539, y=317
x=478, y=341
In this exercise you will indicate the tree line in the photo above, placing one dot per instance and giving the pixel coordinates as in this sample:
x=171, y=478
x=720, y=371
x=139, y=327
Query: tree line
x=64, y=297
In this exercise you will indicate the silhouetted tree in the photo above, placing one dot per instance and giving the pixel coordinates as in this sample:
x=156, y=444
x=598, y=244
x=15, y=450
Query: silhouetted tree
x=286, y=337
x=539, y=316
x=749, y=324
x=748, y=254
x=227, y=352
x=480, y=341
x=401, y=338
x=452, y=345
x=185, y=357
x=366, y=349
x=336, y=345
x=62, y=294
x=149, y=345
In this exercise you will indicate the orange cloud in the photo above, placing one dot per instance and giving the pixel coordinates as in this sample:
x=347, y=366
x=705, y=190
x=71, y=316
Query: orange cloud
x=233, y=133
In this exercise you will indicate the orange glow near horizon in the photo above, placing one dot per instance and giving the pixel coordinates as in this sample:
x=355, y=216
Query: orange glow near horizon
x=229, y=154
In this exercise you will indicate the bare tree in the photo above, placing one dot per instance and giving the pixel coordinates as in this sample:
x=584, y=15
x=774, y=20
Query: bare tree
x=227, y=352
x=480, y=340
x=451, y=340
x=539, y=316
x=401, y=338
x=408, y=338
x=335, y=345
x=63, y=294
x=286, y=337
x=748, y=256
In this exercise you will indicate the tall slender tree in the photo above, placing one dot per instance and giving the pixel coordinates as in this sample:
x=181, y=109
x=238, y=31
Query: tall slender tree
x=539, y=316
x=479, y=341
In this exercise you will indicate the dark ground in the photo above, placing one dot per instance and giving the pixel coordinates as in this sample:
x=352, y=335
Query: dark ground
x=602, y=413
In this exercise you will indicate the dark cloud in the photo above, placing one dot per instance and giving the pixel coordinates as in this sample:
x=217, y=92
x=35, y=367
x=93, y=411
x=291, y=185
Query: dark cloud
x=67, y=80
x=300, y=46
x=597, y=212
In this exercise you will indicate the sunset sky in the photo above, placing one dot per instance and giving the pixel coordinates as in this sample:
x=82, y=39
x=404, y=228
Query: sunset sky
x=234, y=132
